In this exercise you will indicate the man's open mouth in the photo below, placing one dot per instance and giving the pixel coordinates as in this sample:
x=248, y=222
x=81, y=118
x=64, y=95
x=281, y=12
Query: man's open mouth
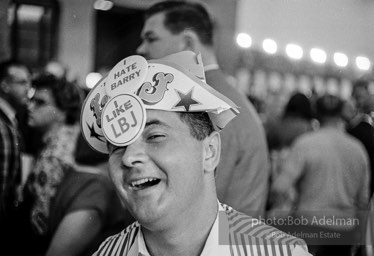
x=144, y=183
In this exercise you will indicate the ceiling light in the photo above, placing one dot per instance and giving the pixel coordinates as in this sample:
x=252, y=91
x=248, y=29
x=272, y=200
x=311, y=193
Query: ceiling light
x=363, y=63
x=92, y=79
x=269, y=46
x=294, y=51
x=340, y=59
x=244, y=40
x=318, y=55
x=103, y=5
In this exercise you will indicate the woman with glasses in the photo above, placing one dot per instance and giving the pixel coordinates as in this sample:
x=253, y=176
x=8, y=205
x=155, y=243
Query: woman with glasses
x=54, y=111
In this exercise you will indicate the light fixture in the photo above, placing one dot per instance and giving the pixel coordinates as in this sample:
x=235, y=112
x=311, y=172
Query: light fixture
x=340, y=59
x=294, y=51
x=318, y=55
x=92, y=79
x=103, y=5
x=269, y=46
x=244, y=40
x=363, y=63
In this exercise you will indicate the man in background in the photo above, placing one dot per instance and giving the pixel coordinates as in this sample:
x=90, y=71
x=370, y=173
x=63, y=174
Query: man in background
x=361, y=125
x=15, y=83
x=243, y=173
x=330, y=172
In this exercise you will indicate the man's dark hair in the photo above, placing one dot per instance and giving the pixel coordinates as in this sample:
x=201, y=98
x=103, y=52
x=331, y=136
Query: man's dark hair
x=67, y=95
x=329, y=106
x=359, y=84
x=199, y=122
x=300, y=106
x=182, y=15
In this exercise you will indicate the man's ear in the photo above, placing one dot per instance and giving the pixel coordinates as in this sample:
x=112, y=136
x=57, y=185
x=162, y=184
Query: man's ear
x=4, y=86
x=212, y=151
x=191, y=40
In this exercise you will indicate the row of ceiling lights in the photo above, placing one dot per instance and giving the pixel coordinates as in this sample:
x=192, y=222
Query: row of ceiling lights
x=293, y=51
x=296, y=52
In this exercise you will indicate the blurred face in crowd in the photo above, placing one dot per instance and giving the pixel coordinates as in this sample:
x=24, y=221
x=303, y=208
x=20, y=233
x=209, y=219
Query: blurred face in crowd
x=364, y=99
x=163, y=174
x=360, y=96
x=17, y=84
x=157, y=40
x=43, y=110
x=349, y=111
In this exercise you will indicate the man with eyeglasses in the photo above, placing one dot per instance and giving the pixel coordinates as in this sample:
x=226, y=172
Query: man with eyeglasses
x=15, y=82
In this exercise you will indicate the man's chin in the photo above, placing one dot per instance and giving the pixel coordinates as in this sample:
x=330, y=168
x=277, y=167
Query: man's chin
x=147, y=213
x=148, y=218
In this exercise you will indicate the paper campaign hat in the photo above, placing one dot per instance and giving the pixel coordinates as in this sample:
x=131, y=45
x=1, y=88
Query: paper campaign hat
x=115, y=109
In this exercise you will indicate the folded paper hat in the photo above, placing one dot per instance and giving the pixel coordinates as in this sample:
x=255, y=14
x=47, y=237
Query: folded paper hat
x=115, y=109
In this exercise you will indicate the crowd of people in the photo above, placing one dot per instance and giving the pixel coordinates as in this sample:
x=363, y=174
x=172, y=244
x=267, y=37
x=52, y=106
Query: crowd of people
x=195, y=180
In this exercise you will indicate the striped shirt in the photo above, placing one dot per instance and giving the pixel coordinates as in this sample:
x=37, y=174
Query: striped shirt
x=232, y=233
x=10, y=162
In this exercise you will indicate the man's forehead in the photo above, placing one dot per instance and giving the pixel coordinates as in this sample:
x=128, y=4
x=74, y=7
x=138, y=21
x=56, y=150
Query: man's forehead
x=18, y=72
x=162, y=118
x=154, y=23
x=42, y=93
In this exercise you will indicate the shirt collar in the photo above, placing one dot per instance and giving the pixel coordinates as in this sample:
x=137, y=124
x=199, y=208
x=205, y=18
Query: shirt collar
x=217, y=242
x=211, y=67
x=142, y=249
x=215, y=245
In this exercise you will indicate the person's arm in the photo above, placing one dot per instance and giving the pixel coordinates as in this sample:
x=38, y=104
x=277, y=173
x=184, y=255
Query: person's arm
x=75, y=233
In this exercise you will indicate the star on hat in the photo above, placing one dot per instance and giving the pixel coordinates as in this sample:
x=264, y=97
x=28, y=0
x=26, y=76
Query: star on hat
x=186, y=100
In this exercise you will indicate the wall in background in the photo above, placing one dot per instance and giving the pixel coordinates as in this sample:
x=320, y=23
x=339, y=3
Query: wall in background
x=77, y=33
x=76, y=39
x=4, y=31
x=334, y=25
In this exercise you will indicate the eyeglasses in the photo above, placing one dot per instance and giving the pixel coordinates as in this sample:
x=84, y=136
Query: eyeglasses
x=20, y=82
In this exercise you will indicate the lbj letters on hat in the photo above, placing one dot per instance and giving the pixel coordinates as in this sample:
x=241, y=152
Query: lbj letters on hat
x=115, y=109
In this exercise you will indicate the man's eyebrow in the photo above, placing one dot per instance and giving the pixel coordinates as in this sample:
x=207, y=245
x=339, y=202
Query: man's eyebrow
x=147, y=34
x=156, y=122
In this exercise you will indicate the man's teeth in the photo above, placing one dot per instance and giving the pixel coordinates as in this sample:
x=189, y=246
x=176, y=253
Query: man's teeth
x=142, y=181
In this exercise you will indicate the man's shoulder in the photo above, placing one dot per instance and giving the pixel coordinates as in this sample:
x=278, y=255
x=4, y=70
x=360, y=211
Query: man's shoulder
x=218, y=80
x=256, y=231
x=120, y=242
x=248, y=116
x=309, y=139
x=8, y=130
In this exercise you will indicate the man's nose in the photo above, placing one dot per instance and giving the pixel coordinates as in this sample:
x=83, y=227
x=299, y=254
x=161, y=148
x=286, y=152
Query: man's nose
x=30, y=105
x=135, y=154
x=141, y=49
